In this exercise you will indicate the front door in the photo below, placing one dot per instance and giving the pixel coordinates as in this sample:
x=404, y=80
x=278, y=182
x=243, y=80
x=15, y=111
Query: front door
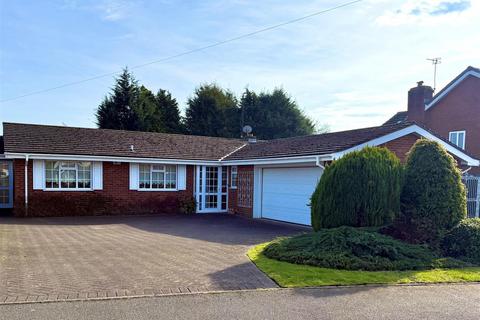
x=211, y=189
x=6, y=184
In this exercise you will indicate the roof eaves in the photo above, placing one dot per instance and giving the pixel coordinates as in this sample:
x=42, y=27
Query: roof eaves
x=470, y=71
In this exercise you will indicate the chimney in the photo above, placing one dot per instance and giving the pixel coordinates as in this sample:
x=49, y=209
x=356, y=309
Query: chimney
x=418, y=97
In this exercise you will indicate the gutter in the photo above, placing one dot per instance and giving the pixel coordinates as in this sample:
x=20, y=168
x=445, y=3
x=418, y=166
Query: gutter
x=26, y=184
x=318, y=164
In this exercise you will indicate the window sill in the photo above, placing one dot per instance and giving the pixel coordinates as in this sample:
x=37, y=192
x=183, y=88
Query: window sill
x=157, y=190
x=63, y=189
x=234, y=188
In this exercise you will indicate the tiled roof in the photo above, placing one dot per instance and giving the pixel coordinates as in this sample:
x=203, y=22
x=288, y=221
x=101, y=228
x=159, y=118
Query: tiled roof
x=39, y=139
x=313, y=144
x=29, y=138
x=399, y=117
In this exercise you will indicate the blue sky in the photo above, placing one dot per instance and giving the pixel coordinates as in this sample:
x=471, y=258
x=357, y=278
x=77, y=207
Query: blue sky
x=349, y=68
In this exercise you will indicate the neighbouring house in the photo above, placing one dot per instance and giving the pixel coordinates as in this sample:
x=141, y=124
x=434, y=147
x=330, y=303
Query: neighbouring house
x=55, y=170
x=454, y=114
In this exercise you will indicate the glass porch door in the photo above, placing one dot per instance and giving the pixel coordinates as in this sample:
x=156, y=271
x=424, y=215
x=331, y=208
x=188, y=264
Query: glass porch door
x=211, y=189
x=6, y=184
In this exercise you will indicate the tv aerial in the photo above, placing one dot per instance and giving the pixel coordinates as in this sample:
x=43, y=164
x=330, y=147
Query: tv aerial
x=435, y=61
x=247, y=129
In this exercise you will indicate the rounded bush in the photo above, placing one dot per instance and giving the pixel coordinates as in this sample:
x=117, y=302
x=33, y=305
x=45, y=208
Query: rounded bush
x=361, y=189
x=355, y=249
x=433, y=198
x=463, y=241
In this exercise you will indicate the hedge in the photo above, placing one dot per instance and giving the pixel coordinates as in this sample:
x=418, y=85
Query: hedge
x=360, y=189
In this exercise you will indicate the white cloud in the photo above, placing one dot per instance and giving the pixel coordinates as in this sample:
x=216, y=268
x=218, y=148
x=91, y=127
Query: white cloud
x=429, y=12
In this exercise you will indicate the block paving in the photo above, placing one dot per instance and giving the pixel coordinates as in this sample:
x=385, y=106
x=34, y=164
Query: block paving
x=78, y=258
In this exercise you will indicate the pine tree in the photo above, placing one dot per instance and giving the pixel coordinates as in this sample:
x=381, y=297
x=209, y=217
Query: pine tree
x=171, y=119
x=274, y=115
x=117, y=110
x=213, y=111
x=148, y=112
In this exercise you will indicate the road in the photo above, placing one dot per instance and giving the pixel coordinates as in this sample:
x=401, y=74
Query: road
x=437, y=302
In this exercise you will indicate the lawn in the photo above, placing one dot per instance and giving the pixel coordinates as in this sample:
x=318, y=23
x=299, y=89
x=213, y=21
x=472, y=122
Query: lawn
x=294, y=275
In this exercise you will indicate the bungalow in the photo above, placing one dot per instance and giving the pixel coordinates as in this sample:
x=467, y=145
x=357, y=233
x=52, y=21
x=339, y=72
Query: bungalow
x=54, y=170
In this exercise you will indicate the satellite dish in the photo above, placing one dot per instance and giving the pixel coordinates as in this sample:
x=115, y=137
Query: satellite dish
x=247, y=129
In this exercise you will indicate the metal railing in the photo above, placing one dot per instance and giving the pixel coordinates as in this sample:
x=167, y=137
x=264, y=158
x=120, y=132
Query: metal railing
x=473, y=195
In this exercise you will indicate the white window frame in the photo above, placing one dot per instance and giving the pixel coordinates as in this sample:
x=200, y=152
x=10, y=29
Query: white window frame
x=60, y=175
x=233, y=177
x=152, y=170
x=457, y=133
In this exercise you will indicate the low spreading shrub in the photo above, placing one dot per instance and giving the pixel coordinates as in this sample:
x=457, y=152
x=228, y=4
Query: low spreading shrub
x=361, y=189
x=463, y=241
x=356, y=249
x=187, y=205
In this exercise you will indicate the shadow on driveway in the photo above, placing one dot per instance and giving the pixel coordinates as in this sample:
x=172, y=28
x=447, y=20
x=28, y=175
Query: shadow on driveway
x=221, y=228
x=97, y=256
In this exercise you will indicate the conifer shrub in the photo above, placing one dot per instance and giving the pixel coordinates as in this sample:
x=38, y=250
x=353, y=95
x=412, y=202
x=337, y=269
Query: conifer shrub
x=433, y=197
x=361, y=189
x=356, y=249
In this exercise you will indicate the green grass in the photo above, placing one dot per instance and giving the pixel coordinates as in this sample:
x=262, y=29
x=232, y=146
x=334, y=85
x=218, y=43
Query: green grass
x=293, y=275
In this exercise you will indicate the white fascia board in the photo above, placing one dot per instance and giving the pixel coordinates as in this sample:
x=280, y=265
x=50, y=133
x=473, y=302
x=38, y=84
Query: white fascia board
x=11, y=155
x=285, y=160
x=408, y=130
x=451, y=87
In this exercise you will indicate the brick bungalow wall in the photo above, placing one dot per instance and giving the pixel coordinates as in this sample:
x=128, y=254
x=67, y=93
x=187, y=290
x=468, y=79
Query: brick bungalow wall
x=402, y=145
x=115, y=198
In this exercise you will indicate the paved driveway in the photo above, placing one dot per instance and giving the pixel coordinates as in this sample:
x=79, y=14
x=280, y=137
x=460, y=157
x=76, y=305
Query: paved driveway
x=71, y=258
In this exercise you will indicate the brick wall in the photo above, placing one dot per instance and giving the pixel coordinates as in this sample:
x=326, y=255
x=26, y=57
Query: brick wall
x=233, y=194
x=115, y=198
x=457, y=111
x=402, y=145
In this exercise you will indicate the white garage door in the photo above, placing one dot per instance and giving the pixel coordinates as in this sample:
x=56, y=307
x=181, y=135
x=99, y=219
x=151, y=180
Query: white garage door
x=286, y=193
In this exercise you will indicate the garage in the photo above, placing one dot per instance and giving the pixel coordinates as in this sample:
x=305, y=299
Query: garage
x=286, y=193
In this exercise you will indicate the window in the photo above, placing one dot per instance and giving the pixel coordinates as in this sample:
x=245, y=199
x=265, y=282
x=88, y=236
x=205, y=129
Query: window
x=245, y=189
x=234, y=177
x=68, y=175
x=457, y=138
x=158, y=177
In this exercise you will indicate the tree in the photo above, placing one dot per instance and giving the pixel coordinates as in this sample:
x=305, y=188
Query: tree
x=117, y=110
x=433, y=198
x=133, y=107
x=170, y=118
x=148, y=113
x=212, y=111
x=274, y=115
x=361, y=189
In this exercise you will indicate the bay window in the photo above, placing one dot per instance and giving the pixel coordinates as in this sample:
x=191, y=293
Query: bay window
x=158, y=177
x=68, y=175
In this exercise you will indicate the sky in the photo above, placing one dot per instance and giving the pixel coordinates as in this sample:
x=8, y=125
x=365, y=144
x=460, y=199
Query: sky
x=348, y=68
